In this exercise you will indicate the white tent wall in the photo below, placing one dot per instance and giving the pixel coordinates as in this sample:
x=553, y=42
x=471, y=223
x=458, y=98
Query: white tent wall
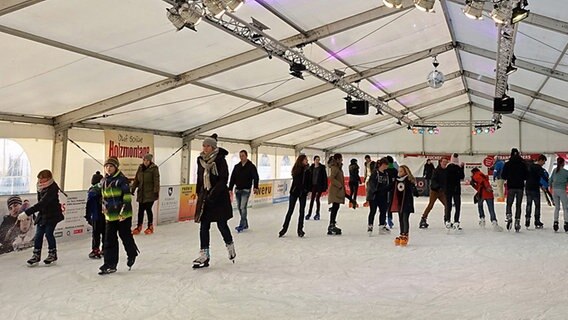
x=393, y=142
x=450, y=139
x=80, y=166
x=38, y=150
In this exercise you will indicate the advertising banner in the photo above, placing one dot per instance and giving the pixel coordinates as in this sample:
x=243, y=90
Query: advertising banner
x=281, y=190
x=74, y=226
x=187, y=202
x=169, y=204
x=264, y=195
x=129, y=147
x=15, y=235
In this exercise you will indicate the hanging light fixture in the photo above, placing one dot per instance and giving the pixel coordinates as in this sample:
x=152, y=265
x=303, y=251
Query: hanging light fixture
x=424, y=5
x=435, y=79
x=216, y=7
x=234, y=5
x=473, y=9
x=175, y=18
x=520, y=13
x=191, y=14
x=498, y=14
x=393, y=3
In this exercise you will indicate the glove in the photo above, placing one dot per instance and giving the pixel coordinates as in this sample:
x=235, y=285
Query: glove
x=22, y=216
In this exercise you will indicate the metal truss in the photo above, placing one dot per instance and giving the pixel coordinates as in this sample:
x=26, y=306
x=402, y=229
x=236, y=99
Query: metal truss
x=274, y=48
x=457, y=123
x=505, y=47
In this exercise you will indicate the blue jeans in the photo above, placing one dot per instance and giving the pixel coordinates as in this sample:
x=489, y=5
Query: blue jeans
x=47, y=231
x=533, y=196
x=490, y=206
x=242, y=202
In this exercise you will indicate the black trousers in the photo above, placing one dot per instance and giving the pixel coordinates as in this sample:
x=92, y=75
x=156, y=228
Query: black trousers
x=333, y=214
x=291, y=207
x=383, y=204
x=315, y=196
x=115, y=229
x=204, y=235
x=533, y=196
x=98, y=233
x=372, y=212
x=455, y=198
x=353, y=189
x=145, y=206
x=404, y=221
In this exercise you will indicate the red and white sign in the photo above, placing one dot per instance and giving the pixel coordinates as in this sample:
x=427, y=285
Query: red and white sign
x=489, y=161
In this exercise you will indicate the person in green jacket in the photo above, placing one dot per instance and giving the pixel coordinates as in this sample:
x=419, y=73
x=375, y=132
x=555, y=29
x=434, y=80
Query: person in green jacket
x=147, y=181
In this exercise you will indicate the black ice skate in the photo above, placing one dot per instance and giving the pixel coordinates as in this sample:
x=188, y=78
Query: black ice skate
x=538, y=225
x=517, y=225
x=130, y=262
x=51, y=257
x=203, y=260
x=565, y=226
x=231, y=251
x=509, y=221
x=423, y=224
x=106, y=269
x=333, y=230
x=555, y=226
x=35, y=259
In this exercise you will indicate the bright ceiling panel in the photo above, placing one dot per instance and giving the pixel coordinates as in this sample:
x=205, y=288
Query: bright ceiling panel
x=479, y=33
x=266, y=79
x=556, y=111
x=446, y=105
x=526, y=79
x=390, y=38
x=552, y=8
x=483, y=87
x=478, y=64
x=428, y=94
x=177, y=110
x=557, y=124
x=260, y=125
x=308, y=134
x=321, y=104
x=383, y=125
x=354, y=135
x=538, y=45
x=353, y=120
x=556, y=88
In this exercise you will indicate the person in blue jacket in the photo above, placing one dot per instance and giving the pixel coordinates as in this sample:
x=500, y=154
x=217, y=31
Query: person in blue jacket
x=497, y=170
x=94, y=215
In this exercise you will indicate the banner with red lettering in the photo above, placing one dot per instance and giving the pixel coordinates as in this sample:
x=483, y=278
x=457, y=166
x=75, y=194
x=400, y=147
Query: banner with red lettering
x=129, y=147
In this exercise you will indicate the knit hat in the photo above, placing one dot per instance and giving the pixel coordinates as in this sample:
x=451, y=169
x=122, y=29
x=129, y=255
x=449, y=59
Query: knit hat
x=97, y=177
x=353, y=161
x=149, y=157
x=14, y=200
x=113, y=161
x=514, y=152
x=211, y=141
x=455, y=159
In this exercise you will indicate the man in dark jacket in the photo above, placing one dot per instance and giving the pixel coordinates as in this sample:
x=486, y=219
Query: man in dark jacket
x=532, y=189
x=382, y=185
x=427, y=174
x=514, y=173
x=454, y=175
x=354, y=181
x=392, y=172
x=318, y=178
x=437, y=191
x=147, y=181
x=244, y=176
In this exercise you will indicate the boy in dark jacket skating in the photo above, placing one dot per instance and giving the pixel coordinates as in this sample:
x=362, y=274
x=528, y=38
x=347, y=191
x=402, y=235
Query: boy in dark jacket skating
x=94, y=215
x=514, y=173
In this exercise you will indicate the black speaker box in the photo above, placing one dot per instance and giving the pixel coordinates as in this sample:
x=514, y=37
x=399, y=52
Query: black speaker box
x=501, y=105
x=357, y=107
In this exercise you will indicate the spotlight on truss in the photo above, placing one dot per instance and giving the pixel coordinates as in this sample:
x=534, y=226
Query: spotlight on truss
x=259, y=25
x=216, y=7
x=425, y=5
x=519, y=12
x=399, y=122
x=339, y=73
x=393, y=3
x=473, y=9
x=175, y=18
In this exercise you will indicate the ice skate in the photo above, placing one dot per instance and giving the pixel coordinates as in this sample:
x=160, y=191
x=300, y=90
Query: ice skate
x=301, y=233
x=404, y=240
x=35, y=259
x=509, y=221
x=538, y=225
x=370, y=229
x=390, y=223
x=496, y=227
x=203, y=260
x=555, y=226
x=149, y=230
x=317, y=216
x=95, y=254
x=384, y=230
x=239, y=229
x=565, y=226
x=333, y=230
x=308, y=216
x=423, y=224
x=51, y=257
x=449, y=226
x=231, y=251
x=137, y=230
x=106, y=269
x=397, y=240
x=456, y=227
x=527, y=222
x=517, y=225
x=482, y=223
x=130, y=262
x=281, y=233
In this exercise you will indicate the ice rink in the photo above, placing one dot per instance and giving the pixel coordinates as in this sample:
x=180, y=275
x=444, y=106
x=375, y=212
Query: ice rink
x=478, y=274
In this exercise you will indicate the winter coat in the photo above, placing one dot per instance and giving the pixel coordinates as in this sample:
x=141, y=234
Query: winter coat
x=515, y=172
x=48, y=206
x=372, y=182
x=336, y=184
x=534, y=175
x=402, y=196
x=384, y=183
x=321, y=179
x=94, y=209
x=439, y=178
x=428, y=171
x=117, y=199
x=147, y=180
x=559, y=179
x=354, y=174
x=243, y=177
x=498, y=169
x=214, y=204
x=454, y=176
x=301, y=183
x=480, y=182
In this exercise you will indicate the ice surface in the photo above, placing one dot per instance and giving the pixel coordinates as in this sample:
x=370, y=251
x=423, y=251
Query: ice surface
x=479, y=274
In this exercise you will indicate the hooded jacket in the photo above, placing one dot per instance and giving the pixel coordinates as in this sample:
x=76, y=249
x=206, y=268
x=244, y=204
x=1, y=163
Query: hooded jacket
x=48, y=206
x=402, y=196
x=117, y=199
x=480, y=182
x=336, y=184
x=515, y=173
x=321, y=177
x=147, y=180
x=354, y=173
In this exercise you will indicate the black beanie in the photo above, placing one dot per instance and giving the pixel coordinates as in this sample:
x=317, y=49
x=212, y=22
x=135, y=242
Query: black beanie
x=514, y=152
x=97, y=177
x=14, y=200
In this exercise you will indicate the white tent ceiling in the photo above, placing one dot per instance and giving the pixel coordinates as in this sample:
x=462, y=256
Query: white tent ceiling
x=121, y=63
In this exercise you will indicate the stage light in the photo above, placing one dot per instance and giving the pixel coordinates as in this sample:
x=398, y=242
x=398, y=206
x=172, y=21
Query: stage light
x=436, y=131
x=175, y=18
x=234, y=5
x=216, y=7
x=399, y=122
x=431, y=130
x=473, y=9
x=498, y=15
x=520, y=13
x=191, y=14
x=424, y=5
x=478, y=130
x=421, y=131
x=297, y=74
x=393, y=3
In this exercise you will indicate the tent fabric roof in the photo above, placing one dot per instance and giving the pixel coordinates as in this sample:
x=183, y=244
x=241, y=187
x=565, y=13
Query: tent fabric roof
x=121, y=63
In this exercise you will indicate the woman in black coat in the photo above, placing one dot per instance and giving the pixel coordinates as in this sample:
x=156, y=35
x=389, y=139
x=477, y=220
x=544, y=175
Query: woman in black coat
x=317, y=177
x=213, y=200
x=298, y=191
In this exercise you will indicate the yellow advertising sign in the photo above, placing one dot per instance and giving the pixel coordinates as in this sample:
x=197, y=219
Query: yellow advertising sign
x=187, y=202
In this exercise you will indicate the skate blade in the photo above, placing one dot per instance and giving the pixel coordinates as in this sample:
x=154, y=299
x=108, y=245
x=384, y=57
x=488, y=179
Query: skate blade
x=103, y=273
x=200, y=266
x=49, y=264
x=31, y=265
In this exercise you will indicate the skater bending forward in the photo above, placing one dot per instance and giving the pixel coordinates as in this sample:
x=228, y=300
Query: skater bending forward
x=403, y=202
x=213, y=201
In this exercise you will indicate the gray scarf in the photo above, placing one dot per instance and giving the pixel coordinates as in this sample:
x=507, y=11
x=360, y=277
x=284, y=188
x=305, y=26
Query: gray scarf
x=208, y=163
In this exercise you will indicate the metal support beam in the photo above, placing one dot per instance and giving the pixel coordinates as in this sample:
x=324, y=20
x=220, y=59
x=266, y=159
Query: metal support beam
x=533, y=19
x=318, y=90
x=100, y=126
x=506, y=34
x=20, y=118
x=217, y=67
x=470, y=134
x=8, y=6
x=185, y=161
x=536, y=123
x=519, y=63
x=457, y=123
x=437, y=114
x=523, y=109
x=59, y=157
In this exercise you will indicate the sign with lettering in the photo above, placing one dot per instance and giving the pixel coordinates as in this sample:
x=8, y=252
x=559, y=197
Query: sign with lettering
x=129, y=147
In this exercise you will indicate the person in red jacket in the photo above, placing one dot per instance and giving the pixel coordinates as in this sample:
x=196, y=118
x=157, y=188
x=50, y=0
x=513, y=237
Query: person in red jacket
x=484, y=193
